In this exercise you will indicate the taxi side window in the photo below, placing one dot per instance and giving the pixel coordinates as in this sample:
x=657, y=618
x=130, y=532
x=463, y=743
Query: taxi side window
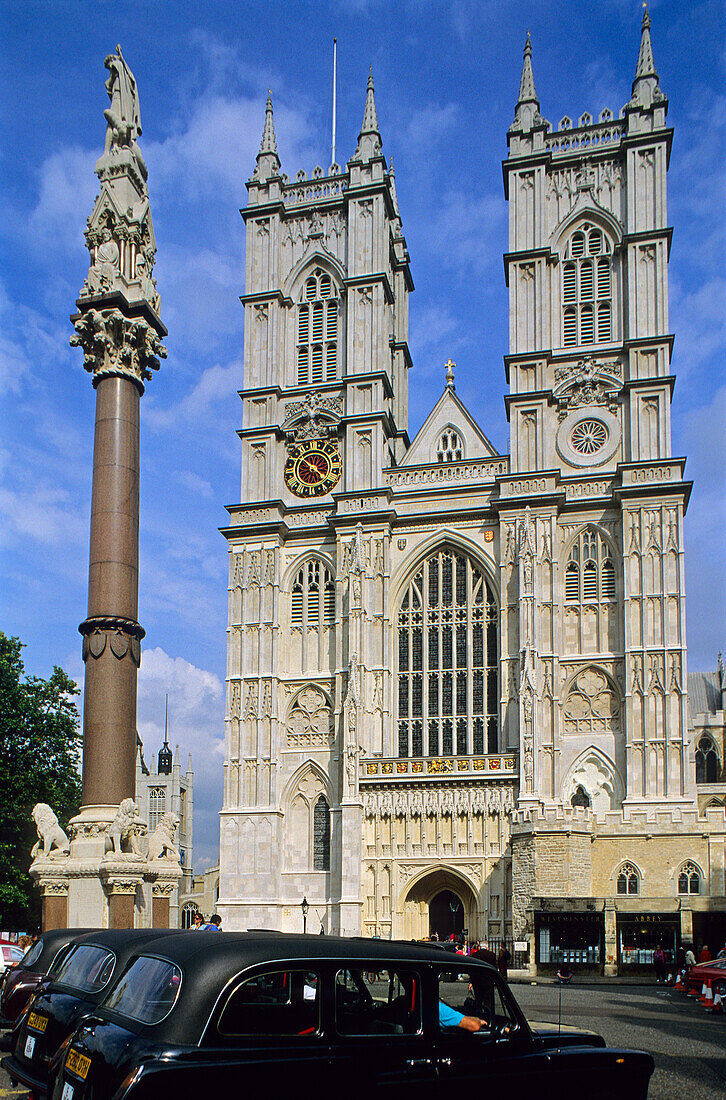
x=280, y=1002
x=371, y=1001
x=467, y=993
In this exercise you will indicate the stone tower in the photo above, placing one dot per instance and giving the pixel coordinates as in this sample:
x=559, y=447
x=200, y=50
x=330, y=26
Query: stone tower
x=324, y=411
x=600, y=524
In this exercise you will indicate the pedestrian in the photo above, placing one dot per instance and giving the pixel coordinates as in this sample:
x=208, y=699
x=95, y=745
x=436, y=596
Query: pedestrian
x=485, y=954
x=197, y=922
x=659, y=964
x=690, y=958
x=503, y=960
x=705, y=954
x=213, y=924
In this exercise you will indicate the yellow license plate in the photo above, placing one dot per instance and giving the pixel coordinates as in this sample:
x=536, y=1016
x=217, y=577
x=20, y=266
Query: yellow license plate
x=35, y=1020
x=78, y=1063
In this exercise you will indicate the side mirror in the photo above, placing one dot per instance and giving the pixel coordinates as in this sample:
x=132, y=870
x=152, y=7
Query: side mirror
x=506, y=1031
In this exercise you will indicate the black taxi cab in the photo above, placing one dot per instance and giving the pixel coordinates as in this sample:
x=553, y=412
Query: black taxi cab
x=79, y=981
x=37, y=964
x=254, y=1013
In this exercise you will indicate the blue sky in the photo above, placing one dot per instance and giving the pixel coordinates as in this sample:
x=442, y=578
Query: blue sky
x=446, y=77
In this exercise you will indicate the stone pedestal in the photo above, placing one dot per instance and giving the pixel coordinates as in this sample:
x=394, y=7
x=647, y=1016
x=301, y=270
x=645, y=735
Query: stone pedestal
x=54, y=894
x=165, y=892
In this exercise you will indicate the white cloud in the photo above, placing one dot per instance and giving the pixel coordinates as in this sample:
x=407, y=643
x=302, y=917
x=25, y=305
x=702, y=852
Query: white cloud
x=215, y=384
x=67, y=186
x=427, y=126
x=195, y=484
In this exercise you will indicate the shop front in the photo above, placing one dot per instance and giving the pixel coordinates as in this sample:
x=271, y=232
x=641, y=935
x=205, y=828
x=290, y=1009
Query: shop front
x=640, y=934
x=572, y=939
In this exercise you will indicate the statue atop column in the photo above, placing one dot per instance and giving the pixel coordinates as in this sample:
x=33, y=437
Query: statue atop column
x=123, y=116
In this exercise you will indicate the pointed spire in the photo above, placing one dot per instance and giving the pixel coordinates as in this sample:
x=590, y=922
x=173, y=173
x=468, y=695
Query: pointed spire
x=527, y=93
x=269, y=142
x=268, y=162
x=526, y=112
x=370, y=116
x=369, y=138
x=646, y=90
x=646, y=65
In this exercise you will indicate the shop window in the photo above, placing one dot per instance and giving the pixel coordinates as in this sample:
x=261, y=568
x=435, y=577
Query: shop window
x=571, y=938
x=707, y=769
x=689, y=879
x=628, y=881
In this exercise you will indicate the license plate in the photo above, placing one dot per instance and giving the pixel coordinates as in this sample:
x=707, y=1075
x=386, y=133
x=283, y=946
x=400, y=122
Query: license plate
x=29, y=1046
x=38, y=1022
x=67, y=1093
x=78, y=1063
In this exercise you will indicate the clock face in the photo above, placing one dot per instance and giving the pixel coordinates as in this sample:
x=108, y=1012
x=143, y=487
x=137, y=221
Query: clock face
x=313, y=467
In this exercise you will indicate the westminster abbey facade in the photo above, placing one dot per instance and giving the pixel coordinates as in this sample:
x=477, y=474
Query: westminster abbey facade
x=457, y=684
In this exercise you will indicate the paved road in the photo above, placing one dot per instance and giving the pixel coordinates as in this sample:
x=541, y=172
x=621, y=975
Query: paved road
x=689, y=1045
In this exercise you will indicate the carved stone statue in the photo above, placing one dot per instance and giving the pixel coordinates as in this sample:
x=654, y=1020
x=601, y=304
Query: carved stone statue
x=105, y=267
x=52, y=840
x=121, y=835
x=161, y=841
x=123, y=116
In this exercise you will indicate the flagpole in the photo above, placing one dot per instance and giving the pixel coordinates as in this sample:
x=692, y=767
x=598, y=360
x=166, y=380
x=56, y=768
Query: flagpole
x=335, y=69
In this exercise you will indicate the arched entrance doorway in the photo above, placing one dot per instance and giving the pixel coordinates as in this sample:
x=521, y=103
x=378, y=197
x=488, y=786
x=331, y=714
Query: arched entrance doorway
x=446, y=915
x=438, y=901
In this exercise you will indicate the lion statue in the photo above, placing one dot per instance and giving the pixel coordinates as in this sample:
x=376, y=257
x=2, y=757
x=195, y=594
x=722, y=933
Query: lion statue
x=161, y=841
x=51, y=838
x=121, y=833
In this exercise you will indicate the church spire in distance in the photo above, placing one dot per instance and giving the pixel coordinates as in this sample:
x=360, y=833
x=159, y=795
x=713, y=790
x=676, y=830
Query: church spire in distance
x=268, y=162
x=369, y=138
x=645, y=86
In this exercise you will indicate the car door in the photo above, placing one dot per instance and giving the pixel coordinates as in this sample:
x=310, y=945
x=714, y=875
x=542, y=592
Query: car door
x=378, y=1041
x=500, y=1054
x=269, y=1032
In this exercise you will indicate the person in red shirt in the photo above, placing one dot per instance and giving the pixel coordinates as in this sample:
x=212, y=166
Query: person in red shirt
x=705, y=955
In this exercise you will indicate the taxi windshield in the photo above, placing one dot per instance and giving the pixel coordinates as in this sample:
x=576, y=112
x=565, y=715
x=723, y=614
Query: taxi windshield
x=147, y=991
x=87, y=968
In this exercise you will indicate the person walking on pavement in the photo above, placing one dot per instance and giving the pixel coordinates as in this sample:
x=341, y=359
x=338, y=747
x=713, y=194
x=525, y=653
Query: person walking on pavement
x=213, y=924
x=659, y=964
x=503, y=960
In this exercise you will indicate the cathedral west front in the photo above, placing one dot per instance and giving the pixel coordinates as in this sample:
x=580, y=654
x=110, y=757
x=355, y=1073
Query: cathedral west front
x=457, y=692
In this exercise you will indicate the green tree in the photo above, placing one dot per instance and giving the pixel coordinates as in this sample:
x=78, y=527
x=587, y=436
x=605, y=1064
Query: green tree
x=40, y=744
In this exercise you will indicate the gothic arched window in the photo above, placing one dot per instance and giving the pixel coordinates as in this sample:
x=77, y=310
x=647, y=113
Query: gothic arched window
x=587, y=288
x=628, y=881
x=157, y=806
x=313, y=596
x=188, y=913
x=321, y=835
x=448, y=650
x=450, y=447
x=689, y=879
x=590, y=572
x=317, y=330
x=707, y=769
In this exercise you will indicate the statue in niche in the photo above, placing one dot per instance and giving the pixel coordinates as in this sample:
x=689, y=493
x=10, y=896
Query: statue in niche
x=147, y=281
x=105, y=266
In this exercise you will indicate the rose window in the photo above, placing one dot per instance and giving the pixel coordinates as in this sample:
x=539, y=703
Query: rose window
x=589, y=436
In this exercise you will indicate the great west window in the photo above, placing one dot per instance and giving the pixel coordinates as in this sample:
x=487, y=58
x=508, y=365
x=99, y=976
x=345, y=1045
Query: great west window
x=447, y=660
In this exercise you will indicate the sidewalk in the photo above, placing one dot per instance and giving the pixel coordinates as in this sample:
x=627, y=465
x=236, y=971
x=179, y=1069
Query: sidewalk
x=523, y=977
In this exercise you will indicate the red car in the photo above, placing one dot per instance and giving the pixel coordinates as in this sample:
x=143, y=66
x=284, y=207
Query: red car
x=10, y=955
x=712, y=973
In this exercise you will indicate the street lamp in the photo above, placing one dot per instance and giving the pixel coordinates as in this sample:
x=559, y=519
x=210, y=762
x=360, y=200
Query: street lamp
x=454, y=904
x=305, y=907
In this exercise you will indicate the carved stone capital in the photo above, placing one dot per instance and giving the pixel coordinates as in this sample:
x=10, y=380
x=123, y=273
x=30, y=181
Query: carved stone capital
x=116, y=344
x=121, y=884
x=163, y=889
x=53, y=887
